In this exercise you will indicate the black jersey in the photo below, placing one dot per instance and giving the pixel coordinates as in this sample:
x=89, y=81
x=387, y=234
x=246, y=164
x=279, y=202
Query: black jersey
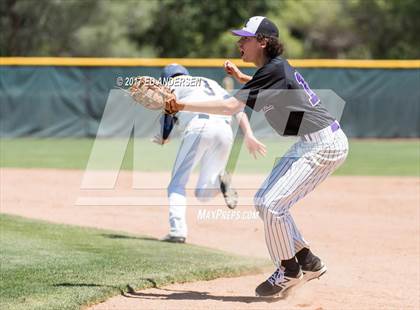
x=289, y=104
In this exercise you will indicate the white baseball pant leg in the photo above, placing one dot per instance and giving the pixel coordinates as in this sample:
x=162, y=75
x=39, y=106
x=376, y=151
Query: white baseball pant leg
x=213, y=162
x=205, y=141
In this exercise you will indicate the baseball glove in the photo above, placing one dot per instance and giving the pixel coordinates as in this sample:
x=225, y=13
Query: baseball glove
x=150, y=93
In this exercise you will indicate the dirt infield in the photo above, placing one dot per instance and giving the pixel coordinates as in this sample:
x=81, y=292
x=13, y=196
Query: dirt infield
x=365, y=228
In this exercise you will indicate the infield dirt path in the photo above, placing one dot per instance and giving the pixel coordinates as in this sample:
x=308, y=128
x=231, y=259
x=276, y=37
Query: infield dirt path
x=365, y=228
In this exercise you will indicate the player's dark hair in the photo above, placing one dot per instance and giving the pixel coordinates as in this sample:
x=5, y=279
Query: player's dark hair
x=273, y=48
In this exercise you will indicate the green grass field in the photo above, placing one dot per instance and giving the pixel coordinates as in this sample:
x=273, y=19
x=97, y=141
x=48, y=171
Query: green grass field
x=49, y=266
x=366, y=157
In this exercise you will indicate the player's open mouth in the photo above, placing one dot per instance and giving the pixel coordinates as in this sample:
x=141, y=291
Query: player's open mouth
x=241, y=52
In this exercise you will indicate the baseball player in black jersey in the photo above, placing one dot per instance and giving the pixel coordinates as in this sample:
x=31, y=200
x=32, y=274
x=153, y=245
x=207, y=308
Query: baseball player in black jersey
x=291, y=108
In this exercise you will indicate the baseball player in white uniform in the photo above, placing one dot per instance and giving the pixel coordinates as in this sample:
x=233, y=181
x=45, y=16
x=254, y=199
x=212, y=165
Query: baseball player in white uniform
x=207, y=140
x=292, y=108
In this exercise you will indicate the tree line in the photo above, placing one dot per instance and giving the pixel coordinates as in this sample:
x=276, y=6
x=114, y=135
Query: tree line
x=379, y=29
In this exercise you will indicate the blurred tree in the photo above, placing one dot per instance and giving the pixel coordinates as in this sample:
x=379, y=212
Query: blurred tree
x=111, y=27
x=193, y=28
x=73, y=27
x=349, y=29
x=317, y=29
x=41, y=28
x=389, y=28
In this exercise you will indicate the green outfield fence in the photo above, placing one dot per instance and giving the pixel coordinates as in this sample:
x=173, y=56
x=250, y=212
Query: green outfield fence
x=65, y=97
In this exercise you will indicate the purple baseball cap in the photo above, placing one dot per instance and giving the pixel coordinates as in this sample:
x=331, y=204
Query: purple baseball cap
x=258, y=25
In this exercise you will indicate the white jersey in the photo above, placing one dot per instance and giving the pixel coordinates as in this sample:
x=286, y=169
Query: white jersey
x=206, y=140
x=195, y=89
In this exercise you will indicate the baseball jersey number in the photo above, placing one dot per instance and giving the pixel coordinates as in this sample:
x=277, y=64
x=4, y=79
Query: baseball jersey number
x=313, y=98
x=209, y=91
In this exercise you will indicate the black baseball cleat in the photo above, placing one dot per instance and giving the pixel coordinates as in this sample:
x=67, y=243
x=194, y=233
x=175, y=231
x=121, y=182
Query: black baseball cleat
x=313, y=269
x=230, y=194
x=279, y=285
x=174, y=239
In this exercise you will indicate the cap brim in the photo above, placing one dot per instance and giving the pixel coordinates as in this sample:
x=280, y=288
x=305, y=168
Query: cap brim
x=242, y=33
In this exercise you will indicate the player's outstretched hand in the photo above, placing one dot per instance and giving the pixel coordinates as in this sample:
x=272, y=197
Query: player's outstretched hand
x=254, y=146
x=172, y=106
x=233, y=70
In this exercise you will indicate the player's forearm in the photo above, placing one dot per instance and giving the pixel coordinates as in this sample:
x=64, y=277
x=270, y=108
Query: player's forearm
x=244, y=78
x=226, y=107
x=243, y=121
x=213, y=107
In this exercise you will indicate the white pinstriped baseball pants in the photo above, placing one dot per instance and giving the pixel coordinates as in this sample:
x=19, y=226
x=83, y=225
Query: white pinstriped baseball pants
x=305, y=165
